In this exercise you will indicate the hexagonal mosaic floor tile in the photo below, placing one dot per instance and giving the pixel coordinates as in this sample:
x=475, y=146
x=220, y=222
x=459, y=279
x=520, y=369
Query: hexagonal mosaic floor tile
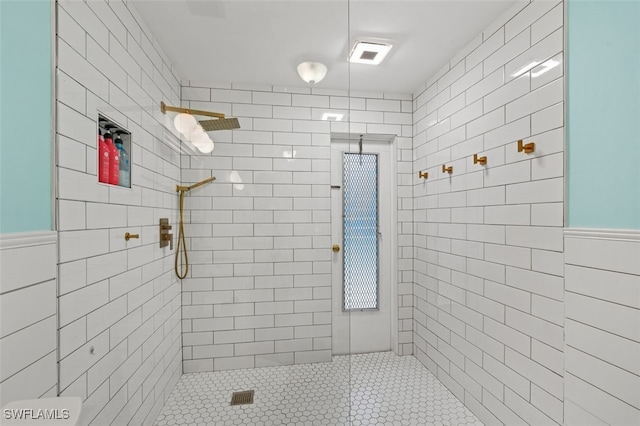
x=367, y=389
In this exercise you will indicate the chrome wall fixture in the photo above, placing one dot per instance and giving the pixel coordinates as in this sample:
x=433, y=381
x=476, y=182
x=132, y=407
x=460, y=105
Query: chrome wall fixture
x=528, y=148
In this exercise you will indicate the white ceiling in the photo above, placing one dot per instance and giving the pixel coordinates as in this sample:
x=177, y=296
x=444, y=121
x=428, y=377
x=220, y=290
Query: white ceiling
x=262, y=41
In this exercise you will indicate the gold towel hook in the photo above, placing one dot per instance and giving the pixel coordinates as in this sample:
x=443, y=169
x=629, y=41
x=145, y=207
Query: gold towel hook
x=479, y=160
x=528, y=148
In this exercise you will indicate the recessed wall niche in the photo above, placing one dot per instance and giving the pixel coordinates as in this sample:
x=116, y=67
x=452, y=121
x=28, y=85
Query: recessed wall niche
x=114, y=153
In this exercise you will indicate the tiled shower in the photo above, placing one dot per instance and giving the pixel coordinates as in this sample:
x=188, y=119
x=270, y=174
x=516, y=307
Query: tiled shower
x=259, y=293
x=501, y=313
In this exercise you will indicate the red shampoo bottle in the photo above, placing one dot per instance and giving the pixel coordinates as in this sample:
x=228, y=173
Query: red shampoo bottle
x=104, y=156
x=114, y=159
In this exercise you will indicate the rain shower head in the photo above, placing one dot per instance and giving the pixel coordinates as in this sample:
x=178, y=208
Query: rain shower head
x=220, y=124
x=194, y=131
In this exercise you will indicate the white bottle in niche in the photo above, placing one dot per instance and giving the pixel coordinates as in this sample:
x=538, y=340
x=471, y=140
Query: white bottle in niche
x=125, y=166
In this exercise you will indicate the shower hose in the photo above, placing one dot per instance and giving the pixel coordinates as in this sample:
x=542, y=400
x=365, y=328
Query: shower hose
x=181, y=254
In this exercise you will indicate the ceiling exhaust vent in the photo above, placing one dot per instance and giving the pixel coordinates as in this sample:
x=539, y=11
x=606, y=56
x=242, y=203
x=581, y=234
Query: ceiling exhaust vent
x=369, y=52
x=368, y=55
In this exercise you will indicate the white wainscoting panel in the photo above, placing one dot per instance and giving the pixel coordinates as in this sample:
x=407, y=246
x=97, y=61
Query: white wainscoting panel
x=602, y=328
x=28, y=321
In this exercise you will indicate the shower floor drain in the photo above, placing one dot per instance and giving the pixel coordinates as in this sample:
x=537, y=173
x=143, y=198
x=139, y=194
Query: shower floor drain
x=240, y=398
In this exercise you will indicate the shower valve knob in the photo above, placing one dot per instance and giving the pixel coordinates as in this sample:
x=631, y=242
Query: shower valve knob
x=165, y=237
x=169, y=238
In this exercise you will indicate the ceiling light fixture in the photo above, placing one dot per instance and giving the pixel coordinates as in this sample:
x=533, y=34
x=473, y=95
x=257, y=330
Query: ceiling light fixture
x=369, y=52
x=312, y=72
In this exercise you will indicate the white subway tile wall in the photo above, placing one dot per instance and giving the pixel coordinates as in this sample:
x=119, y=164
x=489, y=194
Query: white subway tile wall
x=28, y=316
x=481, y=254
x=489, y=287
x=119, y=302
x=602, y=328
x=259, y=287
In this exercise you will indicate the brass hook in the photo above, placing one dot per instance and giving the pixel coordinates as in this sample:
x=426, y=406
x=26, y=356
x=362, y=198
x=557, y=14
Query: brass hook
x=128, y=236
x=423, y=175
x=479, y=160
x=527, y=148
x=447, y=169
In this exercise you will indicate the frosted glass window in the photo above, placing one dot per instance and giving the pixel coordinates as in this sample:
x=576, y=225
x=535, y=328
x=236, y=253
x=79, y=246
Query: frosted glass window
x=360, y=213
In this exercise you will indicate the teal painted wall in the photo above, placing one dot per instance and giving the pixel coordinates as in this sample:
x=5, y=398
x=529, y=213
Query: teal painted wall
x=25, y=115
x=603, y=125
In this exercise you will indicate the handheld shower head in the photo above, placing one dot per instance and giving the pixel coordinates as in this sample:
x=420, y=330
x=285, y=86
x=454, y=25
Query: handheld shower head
x=181, y=253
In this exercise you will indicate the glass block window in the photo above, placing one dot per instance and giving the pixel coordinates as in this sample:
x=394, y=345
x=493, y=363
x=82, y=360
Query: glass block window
x=360, y=221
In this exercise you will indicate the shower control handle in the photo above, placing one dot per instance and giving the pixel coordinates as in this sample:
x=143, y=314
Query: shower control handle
x=170, y=238
x=166, y=239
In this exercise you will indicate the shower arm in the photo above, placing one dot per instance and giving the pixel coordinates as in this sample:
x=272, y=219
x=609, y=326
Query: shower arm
x=164, y=108
x=195, y=185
